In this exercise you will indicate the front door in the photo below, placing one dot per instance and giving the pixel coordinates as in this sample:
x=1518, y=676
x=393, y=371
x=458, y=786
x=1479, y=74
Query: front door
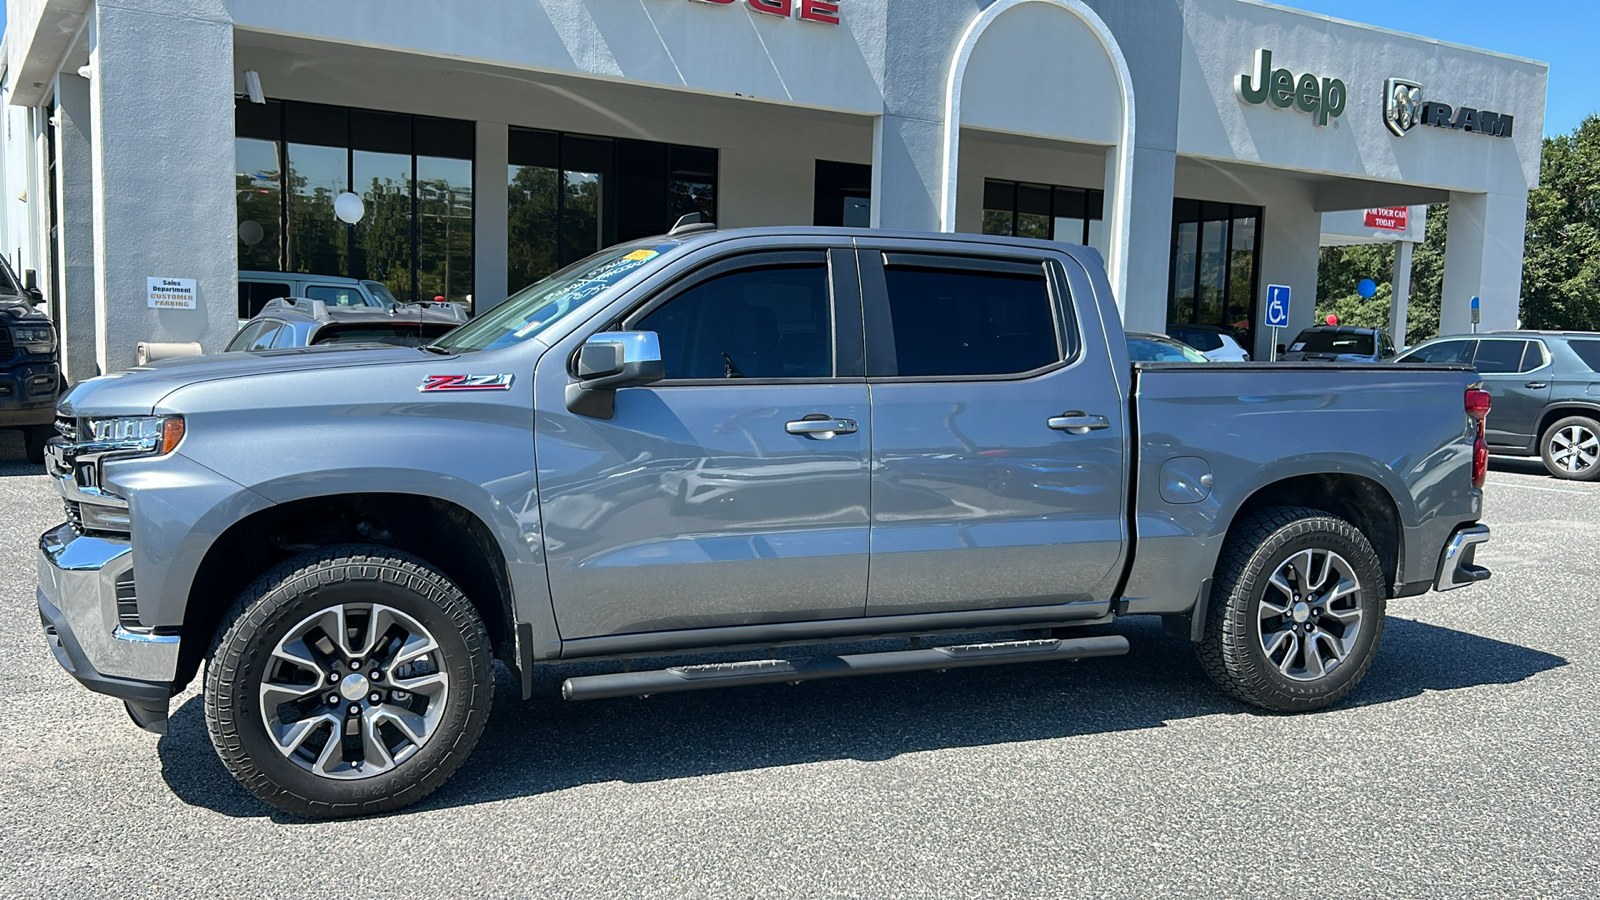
x=998, y=438
x=734, y=492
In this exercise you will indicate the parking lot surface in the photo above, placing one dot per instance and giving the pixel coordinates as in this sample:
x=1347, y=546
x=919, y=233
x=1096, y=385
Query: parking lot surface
x=1464, y=765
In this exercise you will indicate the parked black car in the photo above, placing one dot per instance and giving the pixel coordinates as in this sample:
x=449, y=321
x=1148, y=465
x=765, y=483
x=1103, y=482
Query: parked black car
x=30, y=369
x=1545, y=390
x=1343, y=343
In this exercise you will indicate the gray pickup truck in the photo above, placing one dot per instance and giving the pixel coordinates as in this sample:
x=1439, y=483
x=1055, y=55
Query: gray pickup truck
x=737, y=441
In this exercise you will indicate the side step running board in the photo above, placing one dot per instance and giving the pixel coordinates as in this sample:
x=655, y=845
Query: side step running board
x=770, y=671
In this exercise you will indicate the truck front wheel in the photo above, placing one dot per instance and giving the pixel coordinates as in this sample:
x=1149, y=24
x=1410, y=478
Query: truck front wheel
x=349, y=680
x=1296, y=610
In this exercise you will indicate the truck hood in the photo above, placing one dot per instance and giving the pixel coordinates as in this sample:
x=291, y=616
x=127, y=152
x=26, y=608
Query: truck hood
x=137, y=391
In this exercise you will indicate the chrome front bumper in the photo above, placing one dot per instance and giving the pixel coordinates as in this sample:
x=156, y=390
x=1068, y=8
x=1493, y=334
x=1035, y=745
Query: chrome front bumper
x=78, y=584
x=1456, y=568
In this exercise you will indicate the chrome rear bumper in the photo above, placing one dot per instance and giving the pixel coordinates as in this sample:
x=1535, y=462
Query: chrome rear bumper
x=1456, y=568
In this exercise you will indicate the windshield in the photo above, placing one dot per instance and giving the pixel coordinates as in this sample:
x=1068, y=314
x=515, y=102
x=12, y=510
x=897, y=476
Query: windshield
x=538, y=306
x=1354, y=343
x=380, y=291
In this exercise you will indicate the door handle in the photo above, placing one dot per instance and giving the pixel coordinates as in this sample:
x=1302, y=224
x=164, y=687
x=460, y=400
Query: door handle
x=1537, y=385
x=1078, y=423
x=821, y=428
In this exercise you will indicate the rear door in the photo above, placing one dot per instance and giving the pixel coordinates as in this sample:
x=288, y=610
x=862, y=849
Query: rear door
x=1516, y=372
x=998, y=436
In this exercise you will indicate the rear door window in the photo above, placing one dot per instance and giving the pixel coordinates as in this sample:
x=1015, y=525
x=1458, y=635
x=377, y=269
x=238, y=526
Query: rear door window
x=982, y=320
x=1498, y=357
x=246, y=335
x=264, y=339
x=1533, y=357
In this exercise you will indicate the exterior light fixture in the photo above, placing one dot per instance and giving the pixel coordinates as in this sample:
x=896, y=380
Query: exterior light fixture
x=252, y=86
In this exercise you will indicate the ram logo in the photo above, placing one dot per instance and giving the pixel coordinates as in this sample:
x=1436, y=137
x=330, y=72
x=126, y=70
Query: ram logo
x=1403, y=105
x=433, y=383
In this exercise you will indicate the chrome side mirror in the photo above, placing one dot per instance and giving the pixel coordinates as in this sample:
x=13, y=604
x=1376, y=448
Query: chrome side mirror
x=611, y=360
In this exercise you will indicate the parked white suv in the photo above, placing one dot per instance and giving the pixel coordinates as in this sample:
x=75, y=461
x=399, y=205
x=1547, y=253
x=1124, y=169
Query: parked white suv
x=1217, y=344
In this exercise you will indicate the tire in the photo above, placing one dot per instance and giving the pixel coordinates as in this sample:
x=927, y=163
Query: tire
x=281, y=743
x=1571, y=449
x=1301, y=550
x=34, y=437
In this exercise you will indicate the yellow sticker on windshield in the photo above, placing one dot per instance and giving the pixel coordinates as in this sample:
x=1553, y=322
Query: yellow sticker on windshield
x=642, y=255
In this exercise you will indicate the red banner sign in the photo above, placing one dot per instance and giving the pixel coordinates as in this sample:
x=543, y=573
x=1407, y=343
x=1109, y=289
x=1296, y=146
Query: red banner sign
x=1388, y=218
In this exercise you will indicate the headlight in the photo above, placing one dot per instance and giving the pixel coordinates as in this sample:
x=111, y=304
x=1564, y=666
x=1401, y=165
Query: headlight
x=36, y=339
x=140, y=434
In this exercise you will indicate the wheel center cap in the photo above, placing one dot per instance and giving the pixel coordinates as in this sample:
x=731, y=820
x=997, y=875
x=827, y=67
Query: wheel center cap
x=353, y=686
x=1302, y=612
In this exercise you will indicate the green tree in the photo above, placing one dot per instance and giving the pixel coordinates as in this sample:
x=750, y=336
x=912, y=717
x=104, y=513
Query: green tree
x=1341, y=269
x=1561, y=266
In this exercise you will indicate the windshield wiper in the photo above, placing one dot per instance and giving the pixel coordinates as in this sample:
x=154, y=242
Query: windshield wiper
x=439, y=350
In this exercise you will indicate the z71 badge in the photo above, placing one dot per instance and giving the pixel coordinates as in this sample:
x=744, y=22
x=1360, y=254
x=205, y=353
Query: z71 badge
x=466, y=383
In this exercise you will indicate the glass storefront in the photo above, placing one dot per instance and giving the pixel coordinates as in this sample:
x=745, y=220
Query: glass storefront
x=413, y=173
x=1214, y=273
x=570, y=195
x=843, y=195
x=1019, y=209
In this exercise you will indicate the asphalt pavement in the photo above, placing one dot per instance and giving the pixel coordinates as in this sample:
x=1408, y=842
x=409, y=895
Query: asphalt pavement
x=1464, y=765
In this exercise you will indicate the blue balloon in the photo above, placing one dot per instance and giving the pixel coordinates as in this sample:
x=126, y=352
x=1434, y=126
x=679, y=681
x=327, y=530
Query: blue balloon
x=1367, y=287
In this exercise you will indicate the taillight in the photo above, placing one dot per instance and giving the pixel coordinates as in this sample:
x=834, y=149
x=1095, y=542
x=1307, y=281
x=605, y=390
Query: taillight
x=1477, y=403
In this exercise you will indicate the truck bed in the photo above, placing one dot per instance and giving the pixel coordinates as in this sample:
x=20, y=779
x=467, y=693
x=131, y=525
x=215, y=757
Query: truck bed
x=1263, y=433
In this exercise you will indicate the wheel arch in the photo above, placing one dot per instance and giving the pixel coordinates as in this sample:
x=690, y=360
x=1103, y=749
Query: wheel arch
x=1365, y=501
x=446, y=534
x=1558, y=411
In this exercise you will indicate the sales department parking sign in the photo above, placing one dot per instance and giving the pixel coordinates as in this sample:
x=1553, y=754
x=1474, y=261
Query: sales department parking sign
x=1277, y=306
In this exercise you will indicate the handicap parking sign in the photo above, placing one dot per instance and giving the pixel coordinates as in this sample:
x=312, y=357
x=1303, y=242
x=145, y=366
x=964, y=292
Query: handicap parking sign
x=1277, y=306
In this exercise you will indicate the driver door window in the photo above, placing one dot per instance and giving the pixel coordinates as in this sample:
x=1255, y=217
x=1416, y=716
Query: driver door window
x=766, y=322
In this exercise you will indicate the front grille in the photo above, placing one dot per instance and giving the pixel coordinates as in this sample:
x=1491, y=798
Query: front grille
x=67, y=427
x=127, y=602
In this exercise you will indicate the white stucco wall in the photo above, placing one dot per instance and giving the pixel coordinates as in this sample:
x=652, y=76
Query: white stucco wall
x=1221, y=38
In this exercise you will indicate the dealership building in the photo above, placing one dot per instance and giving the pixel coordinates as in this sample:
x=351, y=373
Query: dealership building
x=153, y=149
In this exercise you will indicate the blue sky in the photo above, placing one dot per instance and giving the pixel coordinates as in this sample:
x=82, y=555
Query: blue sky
x=1559, y=32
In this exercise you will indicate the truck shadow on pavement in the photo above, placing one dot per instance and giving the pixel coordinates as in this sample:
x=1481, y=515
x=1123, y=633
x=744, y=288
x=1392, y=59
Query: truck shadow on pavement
x=13, y=461
x=547, y=744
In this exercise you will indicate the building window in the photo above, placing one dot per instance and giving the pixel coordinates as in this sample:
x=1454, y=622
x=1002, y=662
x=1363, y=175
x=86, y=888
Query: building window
x=570, y=195
x=1213, y=276
x=413, y=174
x=1019, y=209
x=843, y=195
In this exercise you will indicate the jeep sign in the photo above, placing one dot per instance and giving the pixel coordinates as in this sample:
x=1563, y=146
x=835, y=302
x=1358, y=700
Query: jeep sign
x=1323, y=98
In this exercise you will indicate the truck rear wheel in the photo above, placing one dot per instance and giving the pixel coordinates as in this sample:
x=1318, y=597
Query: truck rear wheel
x=350, y=680
x=1571, y=449
x=1296, y=610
